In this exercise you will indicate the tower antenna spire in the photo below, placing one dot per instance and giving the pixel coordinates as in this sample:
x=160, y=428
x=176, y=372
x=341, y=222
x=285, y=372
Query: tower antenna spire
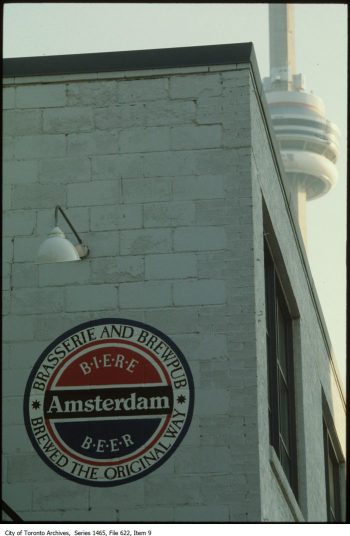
x=282, y=42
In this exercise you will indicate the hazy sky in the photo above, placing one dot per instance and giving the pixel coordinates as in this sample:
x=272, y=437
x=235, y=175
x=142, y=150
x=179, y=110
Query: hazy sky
x=36, y=29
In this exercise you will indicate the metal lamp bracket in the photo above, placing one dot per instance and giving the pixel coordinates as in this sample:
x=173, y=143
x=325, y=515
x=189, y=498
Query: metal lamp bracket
x=81, y=248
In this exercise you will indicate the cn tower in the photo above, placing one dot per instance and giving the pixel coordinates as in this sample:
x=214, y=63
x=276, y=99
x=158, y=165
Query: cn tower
x=308, y=141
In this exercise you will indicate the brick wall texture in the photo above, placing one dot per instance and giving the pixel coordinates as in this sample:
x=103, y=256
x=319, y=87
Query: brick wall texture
x=163, y=176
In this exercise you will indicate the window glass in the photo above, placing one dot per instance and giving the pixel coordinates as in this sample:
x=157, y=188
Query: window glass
x=285, y=461
x=284, y=412
x=279, y=335
x=331, y=486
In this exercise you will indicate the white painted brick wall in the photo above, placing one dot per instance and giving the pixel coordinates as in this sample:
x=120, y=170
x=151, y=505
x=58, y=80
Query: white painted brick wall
x=158, y=164
x=20, y=490
x=169, y=113
x=27, y=468
x=196, y=137
x=41, y=96
x=16, y=352
x=158, y=173
x=102, y=243
x=64, y=170
x=146, y=190
x=199, y=187
x=143, y=90
x=15, y=431
x=8, y=98
x=66, y=120
x=203, y=292
x=19, y=222
x=11, y=332
x=171, y=266
x=62, y=274
x=121, y=116
x=45, y=300
x=117, y=166
x=186, y=87
x=99, y=499
x=6, y=299
x=169, y=214
x=173, y=320
x=25, y=275
x=40, y=146
x=92, y=143
x=146, y=515
x=144, y=139
x=101, y=93
x=48, y=326
x=93, y=193
x=207, y=514
x=46, y=497
x=199, y=238
x=8, y=147
x=220, y=460
x=145, y=241
x=37, y=196
x=118, y=270
x=145, y=294
x=7, y=194
x=20, y=123
x=20, y=171
x=179, y=491
x=113, y=217
x=90, y=298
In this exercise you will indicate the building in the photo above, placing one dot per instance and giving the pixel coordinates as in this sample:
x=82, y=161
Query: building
x=308, y=141
x=166, y=163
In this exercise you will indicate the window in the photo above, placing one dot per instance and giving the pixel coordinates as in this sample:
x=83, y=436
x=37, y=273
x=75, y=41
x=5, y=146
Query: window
x=332, y=471
x=279, y=337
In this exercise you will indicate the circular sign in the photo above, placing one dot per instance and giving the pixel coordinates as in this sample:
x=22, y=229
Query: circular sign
x=108, y=402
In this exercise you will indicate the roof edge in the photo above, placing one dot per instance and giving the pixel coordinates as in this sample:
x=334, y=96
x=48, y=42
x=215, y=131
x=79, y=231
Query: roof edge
x=160, y=58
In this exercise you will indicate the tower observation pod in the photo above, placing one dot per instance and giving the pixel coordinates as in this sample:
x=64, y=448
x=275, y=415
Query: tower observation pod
x=309, y=143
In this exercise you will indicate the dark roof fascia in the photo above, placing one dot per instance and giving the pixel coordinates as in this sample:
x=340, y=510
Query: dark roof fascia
x=130, y=60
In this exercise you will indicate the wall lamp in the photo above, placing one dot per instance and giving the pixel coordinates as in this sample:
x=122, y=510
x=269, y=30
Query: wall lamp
x=56, y=248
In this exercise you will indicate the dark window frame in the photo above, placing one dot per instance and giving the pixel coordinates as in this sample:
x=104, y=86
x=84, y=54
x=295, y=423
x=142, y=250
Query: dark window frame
x=333, y=481
x=280, y=361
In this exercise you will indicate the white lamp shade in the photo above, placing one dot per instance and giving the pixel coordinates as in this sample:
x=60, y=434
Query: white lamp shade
x=56, y=248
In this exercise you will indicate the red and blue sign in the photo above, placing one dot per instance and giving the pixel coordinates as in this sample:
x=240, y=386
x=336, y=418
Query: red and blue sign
x=108, y=402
